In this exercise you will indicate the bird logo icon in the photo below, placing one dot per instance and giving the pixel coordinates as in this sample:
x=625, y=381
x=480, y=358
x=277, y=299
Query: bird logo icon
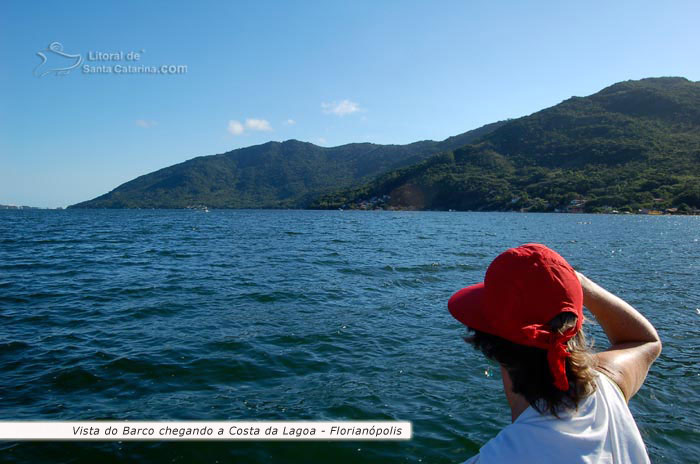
x=61, y=63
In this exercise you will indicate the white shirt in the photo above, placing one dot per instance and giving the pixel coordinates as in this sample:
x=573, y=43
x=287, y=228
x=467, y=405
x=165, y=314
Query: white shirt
x=601, y=431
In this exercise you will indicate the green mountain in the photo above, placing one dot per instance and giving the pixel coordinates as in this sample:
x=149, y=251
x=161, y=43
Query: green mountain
x=633, y=145
x=271, y=175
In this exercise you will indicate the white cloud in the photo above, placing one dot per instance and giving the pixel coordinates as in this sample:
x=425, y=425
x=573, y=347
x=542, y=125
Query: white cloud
x=257, y=125
x=321, y=140
x=235, y=127
x=145, y=123
x=289, y=122
x=340, y=108
x=250, y=124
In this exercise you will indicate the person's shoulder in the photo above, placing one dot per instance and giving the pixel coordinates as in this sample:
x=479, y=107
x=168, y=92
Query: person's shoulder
x=521, y=441
x=536, y=437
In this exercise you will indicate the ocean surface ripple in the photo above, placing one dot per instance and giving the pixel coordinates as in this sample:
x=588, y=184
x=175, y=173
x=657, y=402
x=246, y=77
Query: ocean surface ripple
x=307, y=315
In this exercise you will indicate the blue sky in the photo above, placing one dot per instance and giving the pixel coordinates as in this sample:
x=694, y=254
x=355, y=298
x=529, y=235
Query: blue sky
x=327, y=72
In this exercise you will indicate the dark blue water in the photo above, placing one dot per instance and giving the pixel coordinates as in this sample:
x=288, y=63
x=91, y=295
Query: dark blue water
x=230, y=315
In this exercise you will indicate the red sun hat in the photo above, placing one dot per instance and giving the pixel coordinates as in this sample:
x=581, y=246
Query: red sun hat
x=524, y=289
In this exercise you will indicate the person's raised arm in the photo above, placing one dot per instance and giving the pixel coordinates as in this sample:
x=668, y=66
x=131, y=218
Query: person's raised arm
x=634, y=343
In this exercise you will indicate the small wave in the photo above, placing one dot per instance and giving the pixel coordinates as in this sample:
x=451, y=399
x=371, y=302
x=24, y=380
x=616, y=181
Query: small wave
x=143, y=367
x=293, y=340
x=52, y=241
x=420, y=269
x=104, y=355
x=97, y=297
x=13, y=347
x=432, y=267
x=227, y=370
x=170, y=253
x=407, y=282
x=328, y=262
x=200, y=372
x=13, y=299
x=300, y=363
x=365, y=271
x=471, y=254
x=73, y=379
x=272, y=297
x=138, y=291
x=27, y=266
x=174, y=254
x=45, y=295
x=228, y=345
x=163, y=309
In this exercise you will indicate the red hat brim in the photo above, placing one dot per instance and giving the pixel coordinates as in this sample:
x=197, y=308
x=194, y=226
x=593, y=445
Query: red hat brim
x=467, y=306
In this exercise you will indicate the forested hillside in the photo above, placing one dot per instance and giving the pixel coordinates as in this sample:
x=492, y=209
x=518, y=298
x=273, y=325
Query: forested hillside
x=290, y=174
x=633, y=145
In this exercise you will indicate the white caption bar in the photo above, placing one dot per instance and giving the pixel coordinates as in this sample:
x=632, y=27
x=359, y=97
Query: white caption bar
x=206, y=430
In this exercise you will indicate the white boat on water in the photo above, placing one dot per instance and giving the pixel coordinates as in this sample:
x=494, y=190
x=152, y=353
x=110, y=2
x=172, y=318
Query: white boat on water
x=202, y=208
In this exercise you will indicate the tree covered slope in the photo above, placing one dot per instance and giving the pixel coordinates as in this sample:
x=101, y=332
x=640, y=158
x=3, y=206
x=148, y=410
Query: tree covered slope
x=635, y=144
x=271, y=175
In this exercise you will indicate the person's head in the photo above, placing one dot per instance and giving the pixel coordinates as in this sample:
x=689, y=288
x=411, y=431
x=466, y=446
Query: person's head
x=529, y=371
x=527, y=316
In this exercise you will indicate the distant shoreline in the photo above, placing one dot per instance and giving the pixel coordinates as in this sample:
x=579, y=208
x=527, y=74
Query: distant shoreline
x=649, y=213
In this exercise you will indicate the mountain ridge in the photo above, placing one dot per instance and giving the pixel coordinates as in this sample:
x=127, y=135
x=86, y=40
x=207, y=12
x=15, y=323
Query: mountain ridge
x=270, y=175
x=633, y=145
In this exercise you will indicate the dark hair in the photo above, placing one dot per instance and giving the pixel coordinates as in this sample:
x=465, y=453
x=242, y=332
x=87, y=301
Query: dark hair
x=529, y=370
